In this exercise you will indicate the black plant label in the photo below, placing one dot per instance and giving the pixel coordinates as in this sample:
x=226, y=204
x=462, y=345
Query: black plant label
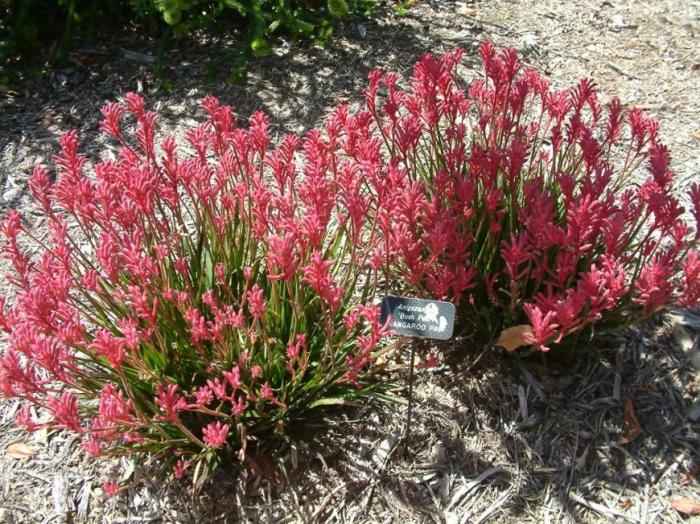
x=415, y=317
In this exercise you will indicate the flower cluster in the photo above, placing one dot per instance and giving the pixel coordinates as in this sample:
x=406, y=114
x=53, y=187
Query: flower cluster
x=188, y=297
x=527, y=204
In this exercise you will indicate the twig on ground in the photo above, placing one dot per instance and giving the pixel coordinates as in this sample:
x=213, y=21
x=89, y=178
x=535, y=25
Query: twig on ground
x=606, y=512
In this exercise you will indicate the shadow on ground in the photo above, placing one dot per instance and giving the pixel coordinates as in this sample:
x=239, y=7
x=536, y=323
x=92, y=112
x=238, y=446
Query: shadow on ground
x=494, y=440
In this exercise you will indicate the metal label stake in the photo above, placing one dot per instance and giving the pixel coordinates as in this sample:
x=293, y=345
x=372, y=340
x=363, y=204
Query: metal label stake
x=409, y=411
x=422, y=319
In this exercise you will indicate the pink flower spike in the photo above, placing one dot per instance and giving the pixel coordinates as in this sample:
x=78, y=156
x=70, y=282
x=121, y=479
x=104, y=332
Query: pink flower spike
x=233, y=377
x=317, y=275
x=135, y=104
x=12, y=224
x=24, y=418
x=65, y=411
x=239, y=406
x=218, y=387
x=111, y=124
x=179, y=469
x=203, y=396
x=169, y=401
x=215, y=434
x=430, y=363
x=93, y=446
x=111, y=488
x=267, y=394
x=543, y=326
x=109, y=346
x=690, y=284
x=256, y=302
x=695, y=200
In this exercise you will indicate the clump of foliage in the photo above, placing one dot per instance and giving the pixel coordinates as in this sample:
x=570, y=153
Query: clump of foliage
x=189, y=300
x=299, y=19
x=28, y=25
x=533, y=209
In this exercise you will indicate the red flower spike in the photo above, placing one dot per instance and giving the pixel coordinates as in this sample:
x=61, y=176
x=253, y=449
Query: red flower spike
x=216, y=434
x=316, y=274
x=543, y=326
x=65, y=411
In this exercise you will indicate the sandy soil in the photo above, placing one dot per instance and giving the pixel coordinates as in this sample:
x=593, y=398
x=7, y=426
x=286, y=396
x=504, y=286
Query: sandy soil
x=491, y=441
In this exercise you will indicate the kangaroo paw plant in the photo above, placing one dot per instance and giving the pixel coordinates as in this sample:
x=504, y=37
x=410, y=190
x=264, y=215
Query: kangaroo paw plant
x=188, y=298
x=532, y=208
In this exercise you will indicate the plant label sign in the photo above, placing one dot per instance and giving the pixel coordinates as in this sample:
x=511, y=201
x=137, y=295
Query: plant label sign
x=419, y=318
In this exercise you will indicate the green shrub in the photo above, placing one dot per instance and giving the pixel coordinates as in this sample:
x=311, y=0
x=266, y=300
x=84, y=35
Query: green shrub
x=28, y=26
x=538, y=212
x=194, y=302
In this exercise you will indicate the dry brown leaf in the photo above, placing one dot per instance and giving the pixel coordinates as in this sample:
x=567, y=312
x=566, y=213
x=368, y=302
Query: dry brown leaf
x=19, y=450
x=690, y=475
x=624, y=503
x=514, y=337
x=632, y=426
x=696, y=134
x=686, y=505
x=263, y=466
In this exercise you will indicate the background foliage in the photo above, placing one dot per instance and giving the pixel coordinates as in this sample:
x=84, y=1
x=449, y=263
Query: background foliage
x=31, y=27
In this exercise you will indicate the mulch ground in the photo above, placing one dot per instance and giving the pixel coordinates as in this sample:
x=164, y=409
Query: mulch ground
x=492, y=439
